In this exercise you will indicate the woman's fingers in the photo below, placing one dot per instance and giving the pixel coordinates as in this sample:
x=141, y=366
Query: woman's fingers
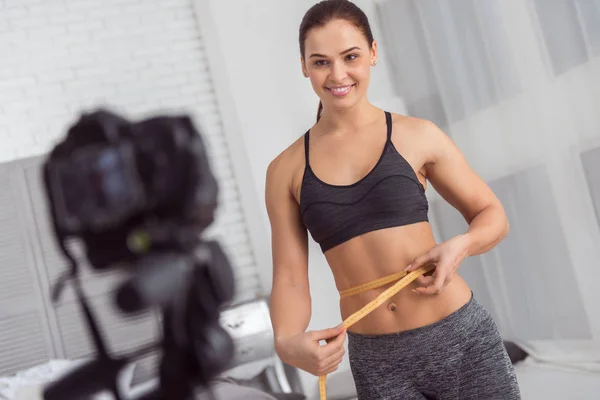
x=424, y=281
x=331, y=363
x=435, y=286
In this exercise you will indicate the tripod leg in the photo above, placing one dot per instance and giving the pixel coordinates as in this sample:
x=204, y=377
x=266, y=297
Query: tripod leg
x=176, y=378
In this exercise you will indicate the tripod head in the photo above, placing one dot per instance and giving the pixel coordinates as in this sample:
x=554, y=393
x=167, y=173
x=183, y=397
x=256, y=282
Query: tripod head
x=139, y=196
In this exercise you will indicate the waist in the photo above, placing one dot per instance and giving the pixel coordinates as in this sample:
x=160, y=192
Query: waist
x=358, y=265
x=405, y=310
x=455, y=327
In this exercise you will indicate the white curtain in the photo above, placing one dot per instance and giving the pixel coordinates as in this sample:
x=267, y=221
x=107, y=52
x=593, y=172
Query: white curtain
x=516, y=85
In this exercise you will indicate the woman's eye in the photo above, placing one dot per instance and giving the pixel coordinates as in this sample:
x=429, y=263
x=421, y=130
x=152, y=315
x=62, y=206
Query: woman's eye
x=349, y=57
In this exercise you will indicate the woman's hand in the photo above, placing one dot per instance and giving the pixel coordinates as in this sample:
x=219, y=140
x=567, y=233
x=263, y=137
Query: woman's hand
x=446, y=257
x=304, y=350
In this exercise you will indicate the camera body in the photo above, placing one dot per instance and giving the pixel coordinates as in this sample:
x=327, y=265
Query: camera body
x=117, y=184
x=139, y=196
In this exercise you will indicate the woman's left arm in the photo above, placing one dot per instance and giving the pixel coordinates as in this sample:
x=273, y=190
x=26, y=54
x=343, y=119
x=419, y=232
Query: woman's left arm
x=451, y=176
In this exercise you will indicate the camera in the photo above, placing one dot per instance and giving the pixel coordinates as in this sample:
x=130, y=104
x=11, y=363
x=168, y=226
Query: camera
x=139, y=196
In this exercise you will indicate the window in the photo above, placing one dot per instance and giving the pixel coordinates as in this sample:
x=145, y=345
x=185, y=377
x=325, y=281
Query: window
x=570, y=31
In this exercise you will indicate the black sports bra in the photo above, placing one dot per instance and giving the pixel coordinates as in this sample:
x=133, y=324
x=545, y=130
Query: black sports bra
x=389, y=195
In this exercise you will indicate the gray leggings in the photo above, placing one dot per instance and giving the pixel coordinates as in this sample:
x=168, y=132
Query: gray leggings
x=461, y=357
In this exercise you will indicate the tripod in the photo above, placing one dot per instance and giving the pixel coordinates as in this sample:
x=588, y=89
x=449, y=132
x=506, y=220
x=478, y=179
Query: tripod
x=195, y=348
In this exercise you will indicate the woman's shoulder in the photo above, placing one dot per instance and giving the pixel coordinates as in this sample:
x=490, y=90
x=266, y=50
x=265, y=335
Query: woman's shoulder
x=288, y=162
x=412, y=125
x=417, y=130
x=419, y=136
x=291, y=155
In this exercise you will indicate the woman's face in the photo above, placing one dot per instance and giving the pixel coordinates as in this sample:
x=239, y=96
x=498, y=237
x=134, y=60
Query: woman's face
x=338, y=62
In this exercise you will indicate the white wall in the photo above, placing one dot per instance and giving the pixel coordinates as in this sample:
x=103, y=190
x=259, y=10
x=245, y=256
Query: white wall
x=256, y=45
x=59, y=57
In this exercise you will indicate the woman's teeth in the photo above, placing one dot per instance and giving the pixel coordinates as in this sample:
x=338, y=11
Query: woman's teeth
x=341, y=91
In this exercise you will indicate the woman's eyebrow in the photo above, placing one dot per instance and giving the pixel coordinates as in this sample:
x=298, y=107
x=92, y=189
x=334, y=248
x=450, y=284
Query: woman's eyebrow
x=343, y=52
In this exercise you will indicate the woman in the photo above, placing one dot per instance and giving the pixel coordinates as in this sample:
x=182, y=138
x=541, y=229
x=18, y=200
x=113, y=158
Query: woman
x=356, y=181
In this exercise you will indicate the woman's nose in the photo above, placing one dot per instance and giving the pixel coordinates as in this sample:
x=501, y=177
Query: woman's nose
x=338, y=72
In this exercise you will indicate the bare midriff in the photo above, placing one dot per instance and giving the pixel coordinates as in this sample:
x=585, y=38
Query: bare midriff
x=384, y=252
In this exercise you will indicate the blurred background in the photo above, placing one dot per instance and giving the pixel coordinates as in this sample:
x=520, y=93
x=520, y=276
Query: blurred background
x=515, y=83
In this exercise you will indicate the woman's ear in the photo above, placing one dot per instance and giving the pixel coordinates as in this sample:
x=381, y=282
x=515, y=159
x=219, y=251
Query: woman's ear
x=304, y=70
x=374, y=53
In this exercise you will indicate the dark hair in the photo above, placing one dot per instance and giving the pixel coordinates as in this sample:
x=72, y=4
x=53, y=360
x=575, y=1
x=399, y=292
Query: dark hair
x=328, y=10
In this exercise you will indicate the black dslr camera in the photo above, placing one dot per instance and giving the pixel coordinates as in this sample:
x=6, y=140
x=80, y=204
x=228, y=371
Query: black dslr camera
x=139, y=196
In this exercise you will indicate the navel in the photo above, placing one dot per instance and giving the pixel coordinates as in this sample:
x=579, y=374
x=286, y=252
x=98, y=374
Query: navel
x=392, y=307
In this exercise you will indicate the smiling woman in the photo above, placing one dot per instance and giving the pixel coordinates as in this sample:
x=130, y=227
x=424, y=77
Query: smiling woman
x=330, y=69
x=356, y=181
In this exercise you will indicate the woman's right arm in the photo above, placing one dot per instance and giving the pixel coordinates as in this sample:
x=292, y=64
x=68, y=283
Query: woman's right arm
x=290, y=295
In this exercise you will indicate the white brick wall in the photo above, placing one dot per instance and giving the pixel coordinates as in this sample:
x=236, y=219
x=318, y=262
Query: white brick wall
x=61, y=57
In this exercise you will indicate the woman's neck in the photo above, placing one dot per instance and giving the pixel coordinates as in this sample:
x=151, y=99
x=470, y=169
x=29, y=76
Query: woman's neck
x=350, y=119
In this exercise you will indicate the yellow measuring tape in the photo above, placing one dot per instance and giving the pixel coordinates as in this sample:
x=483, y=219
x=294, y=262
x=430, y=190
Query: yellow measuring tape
x=402, y=278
